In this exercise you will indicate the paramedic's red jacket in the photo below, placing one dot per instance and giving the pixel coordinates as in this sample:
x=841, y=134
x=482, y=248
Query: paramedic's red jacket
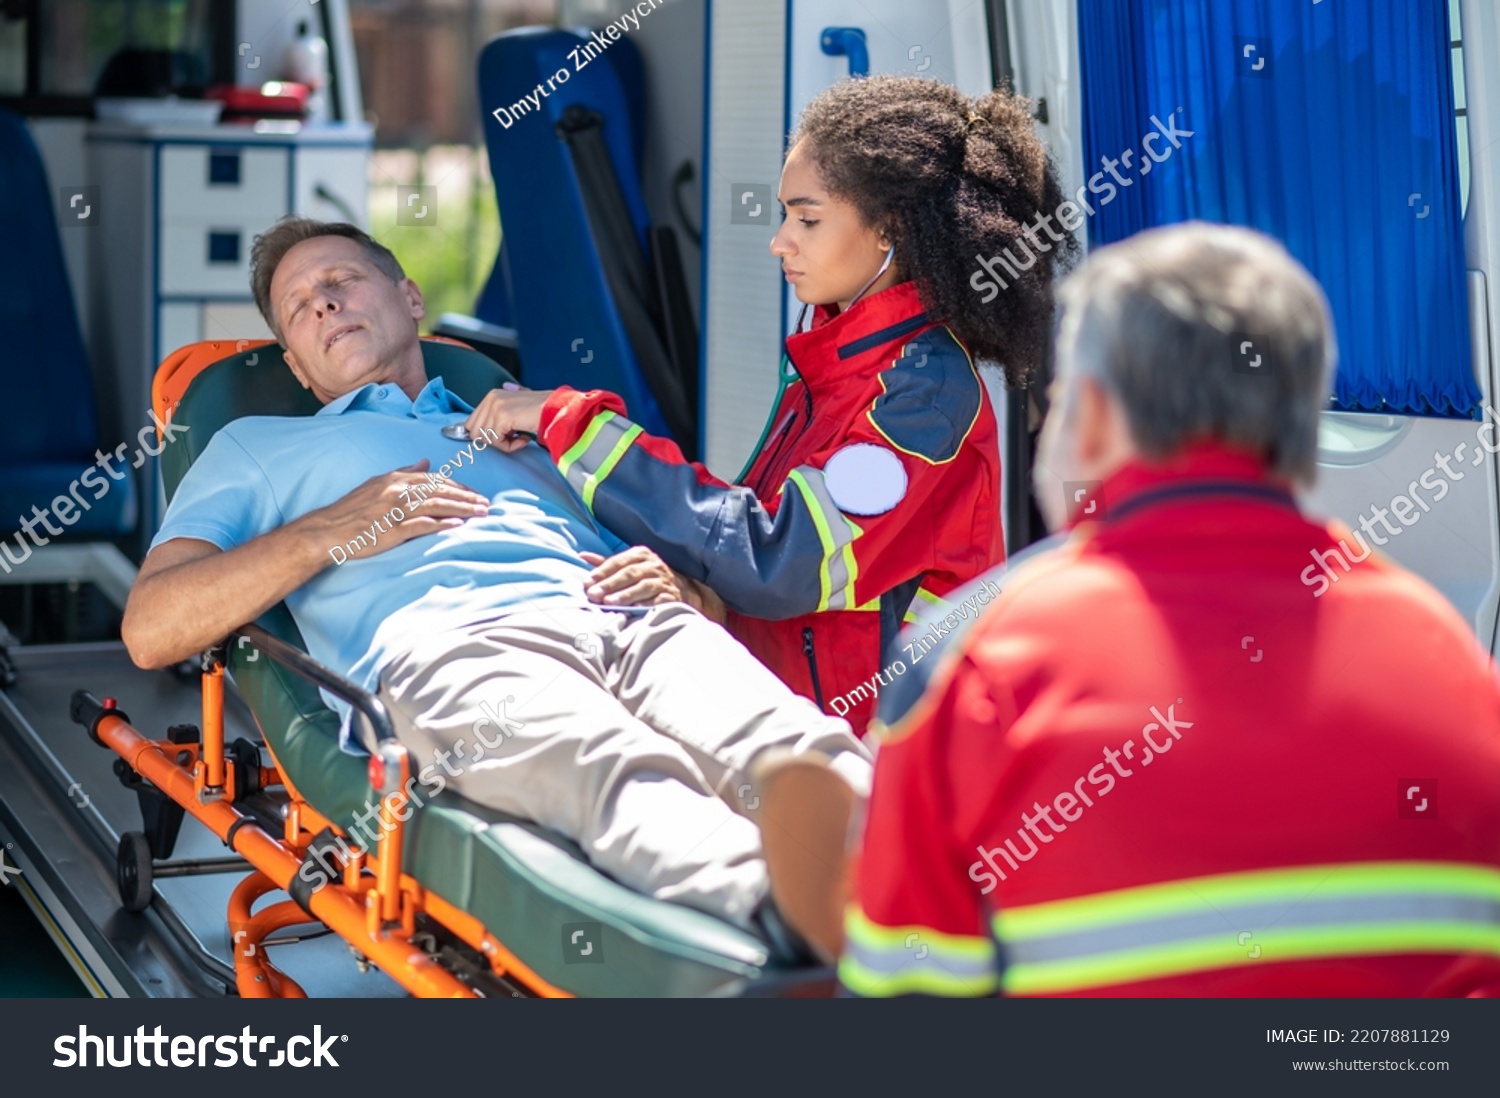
x=878, y=487
x=1234, y=786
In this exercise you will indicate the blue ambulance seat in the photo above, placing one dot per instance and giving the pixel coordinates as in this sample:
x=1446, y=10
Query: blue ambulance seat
x=49, y=425
x=496, y=304
x=551, y=281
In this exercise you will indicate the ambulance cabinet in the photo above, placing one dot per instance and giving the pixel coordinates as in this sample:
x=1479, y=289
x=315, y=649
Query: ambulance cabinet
x=178, y=209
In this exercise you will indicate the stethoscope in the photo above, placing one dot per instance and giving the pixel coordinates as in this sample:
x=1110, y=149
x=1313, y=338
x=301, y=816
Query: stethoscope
x=786, y=373
x=460, y=433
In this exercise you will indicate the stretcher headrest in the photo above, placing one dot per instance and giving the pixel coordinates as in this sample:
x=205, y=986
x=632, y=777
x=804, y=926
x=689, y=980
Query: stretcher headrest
x=206, y=385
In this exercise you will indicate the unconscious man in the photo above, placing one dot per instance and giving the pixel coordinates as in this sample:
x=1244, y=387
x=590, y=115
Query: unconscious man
x=451, y=581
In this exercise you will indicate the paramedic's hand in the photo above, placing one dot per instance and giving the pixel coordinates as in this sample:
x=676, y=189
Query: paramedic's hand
x=428, y=506
x=512, y=413
x=636, y=577
x=702, y=598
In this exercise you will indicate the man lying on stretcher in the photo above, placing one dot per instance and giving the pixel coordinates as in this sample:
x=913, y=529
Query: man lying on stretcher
x=461, y=598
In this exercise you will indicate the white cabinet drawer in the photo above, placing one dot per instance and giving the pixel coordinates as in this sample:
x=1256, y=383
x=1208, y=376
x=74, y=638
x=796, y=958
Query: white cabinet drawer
x=214, y=180
x=208, y=255
x=333, y=185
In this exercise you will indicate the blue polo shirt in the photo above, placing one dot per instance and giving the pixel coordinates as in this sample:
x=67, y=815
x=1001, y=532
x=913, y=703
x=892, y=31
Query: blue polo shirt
x=262, y=472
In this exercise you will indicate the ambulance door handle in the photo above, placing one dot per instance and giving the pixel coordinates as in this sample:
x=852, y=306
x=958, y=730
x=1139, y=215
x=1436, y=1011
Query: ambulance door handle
x=850, y=42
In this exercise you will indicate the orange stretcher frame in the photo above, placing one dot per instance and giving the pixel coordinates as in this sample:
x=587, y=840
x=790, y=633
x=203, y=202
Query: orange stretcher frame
x=374, y=906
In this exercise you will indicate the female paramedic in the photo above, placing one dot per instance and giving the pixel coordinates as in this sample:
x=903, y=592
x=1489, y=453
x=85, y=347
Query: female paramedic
x=877, y=480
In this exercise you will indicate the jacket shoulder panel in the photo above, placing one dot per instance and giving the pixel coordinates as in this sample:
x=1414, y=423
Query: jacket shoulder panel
x=930, y=397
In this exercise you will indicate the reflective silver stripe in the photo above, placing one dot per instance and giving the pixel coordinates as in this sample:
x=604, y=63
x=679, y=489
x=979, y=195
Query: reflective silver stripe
x=919, y=955
x=611, y=431
x=1262, y=920
x=836, y=533
x=913, y=959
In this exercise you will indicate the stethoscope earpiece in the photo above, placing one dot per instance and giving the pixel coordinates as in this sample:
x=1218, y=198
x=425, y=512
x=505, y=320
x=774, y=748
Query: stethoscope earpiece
x=889, y=255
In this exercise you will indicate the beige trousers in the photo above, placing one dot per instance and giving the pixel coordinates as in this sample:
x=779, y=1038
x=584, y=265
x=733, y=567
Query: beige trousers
x=632, y=734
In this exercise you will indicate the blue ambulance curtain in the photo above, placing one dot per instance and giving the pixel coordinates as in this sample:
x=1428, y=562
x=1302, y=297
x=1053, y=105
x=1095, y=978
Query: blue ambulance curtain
x=1328, y=125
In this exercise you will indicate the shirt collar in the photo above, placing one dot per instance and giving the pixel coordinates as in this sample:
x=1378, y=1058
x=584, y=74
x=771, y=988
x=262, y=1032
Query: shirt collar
x=388, y=398
x=1204, y=467
x=857, y=342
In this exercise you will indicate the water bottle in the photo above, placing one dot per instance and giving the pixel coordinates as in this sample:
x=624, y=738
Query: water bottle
x=306, y=62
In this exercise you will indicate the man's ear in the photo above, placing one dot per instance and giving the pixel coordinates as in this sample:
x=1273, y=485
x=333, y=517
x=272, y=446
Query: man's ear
x=414, y=297
x=1102, y=434
x=291, y=361
x=1090, y=416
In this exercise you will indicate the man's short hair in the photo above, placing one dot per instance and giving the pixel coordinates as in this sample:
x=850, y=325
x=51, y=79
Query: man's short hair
x=271, y=246
x=1205, y=331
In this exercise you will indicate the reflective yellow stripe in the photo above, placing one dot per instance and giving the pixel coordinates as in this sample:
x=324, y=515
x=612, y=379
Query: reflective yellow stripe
x=1234, y=919
x=860, y=927
x=882, y=961
x=836, y=594
x=1133, y=966
x=914, y=612
x=914, y=981
x=1169, y=897
x=593, y=457
x=928, y=597
x=825, y=535
x=593, y=480
x=851, y=563
x=584, y=442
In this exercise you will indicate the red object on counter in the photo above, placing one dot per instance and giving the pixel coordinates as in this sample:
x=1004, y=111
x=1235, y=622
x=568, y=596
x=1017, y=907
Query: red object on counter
x=277, y=99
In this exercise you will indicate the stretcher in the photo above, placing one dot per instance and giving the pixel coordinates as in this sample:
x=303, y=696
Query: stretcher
x=455, y=900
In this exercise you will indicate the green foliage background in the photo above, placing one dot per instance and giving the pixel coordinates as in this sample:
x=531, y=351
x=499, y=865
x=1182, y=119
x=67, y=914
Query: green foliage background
x=450, y=260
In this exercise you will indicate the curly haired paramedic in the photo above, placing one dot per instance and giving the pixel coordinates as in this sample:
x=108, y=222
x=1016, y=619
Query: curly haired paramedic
x=877, y=487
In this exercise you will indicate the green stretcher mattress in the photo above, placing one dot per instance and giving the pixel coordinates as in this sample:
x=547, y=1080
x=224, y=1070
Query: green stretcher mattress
x=529, y=887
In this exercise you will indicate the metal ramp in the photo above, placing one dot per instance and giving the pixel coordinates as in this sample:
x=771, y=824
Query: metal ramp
x=62, y=812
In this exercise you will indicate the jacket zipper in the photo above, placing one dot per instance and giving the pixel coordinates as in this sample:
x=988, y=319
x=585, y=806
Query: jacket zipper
x=812, y=665
x=784, y=437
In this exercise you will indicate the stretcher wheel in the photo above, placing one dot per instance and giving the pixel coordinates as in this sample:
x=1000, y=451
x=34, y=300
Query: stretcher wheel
x=133, y=871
